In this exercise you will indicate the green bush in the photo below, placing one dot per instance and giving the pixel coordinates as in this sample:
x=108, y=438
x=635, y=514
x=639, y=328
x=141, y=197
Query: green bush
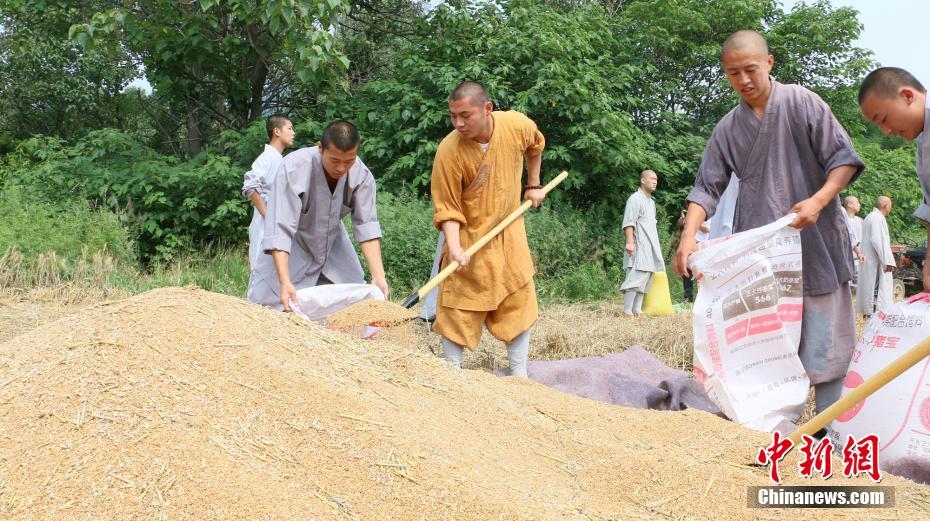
x=578, y=283
x=172, y=205
x=409, y=241
x=66, y=227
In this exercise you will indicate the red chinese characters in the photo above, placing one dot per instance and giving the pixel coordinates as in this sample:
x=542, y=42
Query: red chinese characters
x=816, y=457
x=774, y=453
x=861, y=457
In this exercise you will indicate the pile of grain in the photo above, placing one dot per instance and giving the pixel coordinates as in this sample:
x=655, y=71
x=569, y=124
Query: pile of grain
x=179, y=403
x=370, y=312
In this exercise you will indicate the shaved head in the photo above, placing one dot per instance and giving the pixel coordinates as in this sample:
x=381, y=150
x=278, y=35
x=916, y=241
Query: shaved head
x=885, y=82
x=745, y=40
x=646, y=173
x=882, y=202
x=472, y=91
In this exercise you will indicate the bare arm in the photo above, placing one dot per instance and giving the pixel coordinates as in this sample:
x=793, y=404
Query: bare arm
x=453, y=242
x=630, y=240
x=258, y=202
x=809, y=209
x=693, y=219
x=288, y=291
x=371, y=250
x=533, y=166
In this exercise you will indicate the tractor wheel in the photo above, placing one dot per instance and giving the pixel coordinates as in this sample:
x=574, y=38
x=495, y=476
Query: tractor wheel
x=897, y=290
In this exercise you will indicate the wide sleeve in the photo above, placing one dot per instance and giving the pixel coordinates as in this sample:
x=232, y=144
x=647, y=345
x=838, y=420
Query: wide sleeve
x=631, y=212
x=283, y=211
x=533, y=140
x=923, y=174
x=446, y=188
x=365, y=225
x=829, y=139
x=252, y=181
x=853, y=238
x=887, y=254
x=713, y=175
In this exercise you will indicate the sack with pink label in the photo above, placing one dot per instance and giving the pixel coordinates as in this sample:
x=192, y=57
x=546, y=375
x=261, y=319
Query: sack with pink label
x=747, y=324
x=899, y=412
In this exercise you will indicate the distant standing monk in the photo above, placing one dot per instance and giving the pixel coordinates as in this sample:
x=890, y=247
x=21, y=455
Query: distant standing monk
x=875, y=279
x=642, y=255
x=476, y=183
x=791, y=156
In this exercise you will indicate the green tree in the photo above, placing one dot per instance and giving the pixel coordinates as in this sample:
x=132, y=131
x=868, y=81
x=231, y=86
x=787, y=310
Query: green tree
x=213, y=61
x=50, y=86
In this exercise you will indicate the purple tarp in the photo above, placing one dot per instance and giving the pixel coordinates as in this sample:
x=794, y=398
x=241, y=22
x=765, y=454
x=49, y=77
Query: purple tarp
x=633, y=378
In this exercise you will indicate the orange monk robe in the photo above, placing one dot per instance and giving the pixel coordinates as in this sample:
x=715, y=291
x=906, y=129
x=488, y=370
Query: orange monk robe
x=479, y=189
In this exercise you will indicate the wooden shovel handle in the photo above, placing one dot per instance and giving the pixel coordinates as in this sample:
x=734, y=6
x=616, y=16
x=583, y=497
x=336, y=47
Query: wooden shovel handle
x=901, y=364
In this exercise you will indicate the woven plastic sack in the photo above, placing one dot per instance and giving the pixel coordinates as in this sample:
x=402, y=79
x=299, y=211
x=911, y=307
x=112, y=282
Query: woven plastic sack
x=899, y=412
x=747, y=324
x=318, y=302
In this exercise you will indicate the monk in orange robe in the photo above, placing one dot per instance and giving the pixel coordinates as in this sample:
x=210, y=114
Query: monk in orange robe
x=476, y=183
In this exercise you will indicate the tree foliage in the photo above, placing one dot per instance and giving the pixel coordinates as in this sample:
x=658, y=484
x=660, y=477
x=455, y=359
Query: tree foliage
x=615, y=86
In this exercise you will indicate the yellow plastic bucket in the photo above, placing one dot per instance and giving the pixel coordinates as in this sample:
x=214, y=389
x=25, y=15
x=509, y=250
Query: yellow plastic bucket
x=658, y=301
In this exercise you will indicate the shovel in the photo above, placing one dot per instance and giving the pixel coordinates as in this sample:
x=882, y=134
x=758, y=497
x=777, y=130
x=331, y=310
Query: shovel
x=422, y=292
x=864, y=390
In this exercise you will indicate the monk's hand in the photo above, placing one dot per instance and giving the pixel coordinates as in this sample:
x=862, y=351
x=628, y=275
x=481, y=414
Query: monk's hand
x=288, y=295
x=458, y=255
x=808, y=212
x=630, y=248
x=889, y=269
x=536, y=195
x=382, y=284
x=861, y=258
x=686, y=247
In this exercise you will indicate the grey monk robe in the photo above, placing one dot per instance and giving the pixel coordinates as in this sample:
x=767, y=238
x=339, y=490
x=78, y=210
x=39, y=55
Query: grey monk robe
x=640, y=214
x=875, y=284
x=780, y=160
x=304, y=219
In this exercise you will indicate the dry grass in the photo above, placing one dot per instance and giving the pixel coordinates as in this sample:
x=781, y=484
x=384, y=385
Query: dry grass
x=572, y=331
x=89, y=272
x=184, y=404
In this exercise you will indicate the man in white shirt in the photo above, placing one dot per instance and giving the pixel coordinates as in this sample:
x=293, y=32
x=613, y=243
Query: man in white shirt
x=258, y=179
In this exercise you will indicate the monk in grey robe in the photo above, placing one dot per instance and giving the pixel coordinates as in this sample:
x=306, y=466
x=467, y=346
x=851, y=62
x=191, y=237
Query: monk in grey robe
x=852, y=207
x=875, y=276
x=642, y=255
x=791, y=156
x=314, y=188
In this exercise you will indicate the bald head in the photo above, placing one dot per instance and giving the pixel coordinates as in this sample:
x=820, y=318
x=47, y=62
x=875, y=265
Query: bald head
x=471, y=91
x=851, y=203
x=883, y=203
x=885, y=82
x=746, y=40
x=648, y=181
